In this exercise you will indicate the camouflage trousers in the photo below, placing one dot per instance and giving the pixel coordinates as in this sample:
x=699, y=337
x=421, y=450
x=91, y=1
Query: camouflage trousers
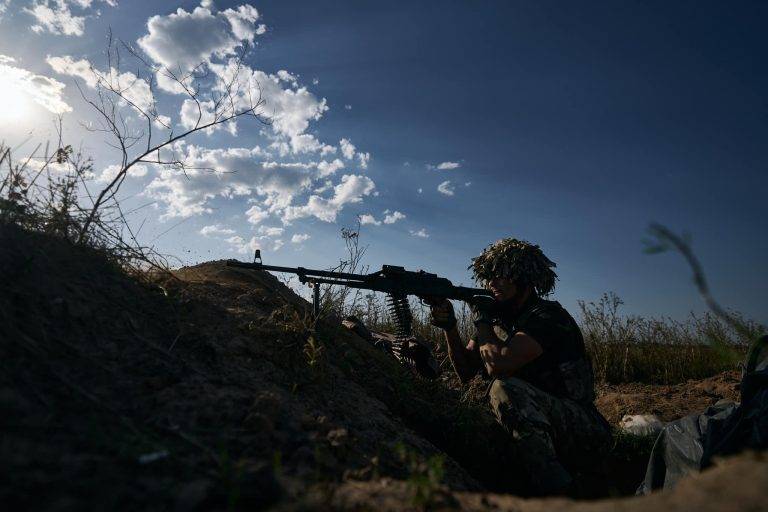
x=545, y=430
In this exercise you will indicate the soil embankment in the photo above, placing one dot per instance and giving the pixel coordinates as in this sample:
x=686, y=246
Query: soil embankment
x=212, y=389
x=668, y=402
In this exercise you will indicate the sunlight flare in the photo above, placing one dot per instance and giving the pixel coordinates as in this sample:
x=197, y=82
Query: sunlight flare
x=15, y=104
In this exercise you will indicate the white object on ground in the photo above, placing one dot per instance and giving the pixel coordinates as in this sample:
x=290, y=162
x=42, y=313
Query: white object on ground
x=641, y=424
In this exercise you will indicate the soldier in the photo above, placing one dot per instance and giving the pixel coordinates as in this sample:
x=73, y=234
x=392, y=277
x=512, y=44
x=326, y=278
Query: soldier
x=543, y=387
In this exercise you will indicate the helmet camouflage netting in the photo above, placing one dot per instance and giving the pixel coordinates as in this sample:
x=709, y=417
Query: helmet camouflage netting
x=518, y=260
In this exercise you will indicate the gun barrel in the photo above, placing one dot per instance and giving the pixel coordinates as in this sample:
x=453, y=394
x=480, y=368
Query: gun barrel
x=300, y=271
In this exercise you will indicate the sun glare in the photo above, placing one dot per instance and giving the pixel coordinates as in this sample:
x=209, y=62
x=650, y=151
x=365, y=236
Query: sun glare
x=15, y=104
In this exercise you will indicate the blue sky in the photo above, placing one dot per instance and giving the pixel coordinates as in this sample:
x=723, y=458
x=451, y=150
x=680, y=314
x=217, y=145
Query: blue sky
x=572, y=126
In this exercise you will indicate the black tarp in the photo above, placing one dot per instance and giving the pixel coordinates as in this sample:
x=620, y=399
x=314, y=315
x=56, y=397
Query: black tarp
x=689, y=444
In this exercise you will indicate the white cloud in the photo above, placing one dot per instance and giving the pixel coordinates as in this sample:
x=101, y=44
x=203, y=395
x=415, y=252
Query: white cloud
x=445, y=166
x=419, y=190
x=45, y=91
x=273, y=187
x=351, y=190
x=245, y=173
x=3, y=7
x=328, y=168
x=422, y=233
x=56, y=17
x=446, y=188
x=182, y=40
x=270, y=232
x=197, y=114
x=467, y=183
x=256, y=215
x=347, y=149
x=110, y=172
x=315, y=81
x=287, y=77
x=41, y=163
x=228, y=173
x=290, y=110
x=367, y=218
x=364, y=159
x=277, y=244
x=87, y=3
x=327, y=185
x=347, y=107
x=78, y=68
x=135, y=91
x=216, y=230
x=393, y=217
x=304, y=143
x=299, y=238
x=238, y=244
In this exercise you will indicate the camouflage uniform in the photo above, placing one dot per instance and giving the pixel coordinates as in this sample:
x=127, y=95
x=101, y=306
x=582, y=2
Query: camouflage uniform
x=548, y=406
x=545, y=429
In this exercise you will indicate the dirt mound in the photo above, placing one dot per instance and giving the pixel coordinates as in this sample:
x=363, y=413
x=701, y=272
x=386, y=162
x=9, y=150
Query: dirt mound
x=668, y=402
x=737, y=484
x=206, y=387
x=211, y=389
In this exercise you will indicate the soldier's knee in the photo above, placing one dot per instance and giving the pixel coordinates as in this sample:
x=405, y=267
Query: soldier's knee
x=498, y=394
x=508, y=394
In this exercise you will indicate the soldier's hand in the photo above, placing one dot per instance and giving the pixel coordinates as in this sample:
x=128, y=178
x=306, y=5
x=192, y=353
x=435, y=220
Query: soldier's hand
x=442, y=315
x=483, y=310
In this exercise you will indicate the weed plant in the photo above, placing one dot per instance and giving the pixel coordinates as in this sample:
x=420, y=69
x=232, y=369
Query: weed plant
x=50, y=192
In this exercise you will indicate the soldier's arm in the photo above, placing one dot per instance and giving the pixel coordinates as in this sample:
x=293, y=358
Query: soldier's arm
x=465, y=359
x=503, y=359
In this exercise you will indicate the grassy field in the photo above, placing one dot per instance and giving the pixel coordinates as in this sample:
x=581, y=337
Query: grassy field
x=659, y=350
x=623, y=348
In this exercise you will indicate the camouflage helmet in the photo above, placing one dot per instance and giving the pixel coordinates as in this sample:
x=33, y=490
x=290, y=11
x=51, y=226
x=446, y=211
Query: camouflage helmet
x=518, y=260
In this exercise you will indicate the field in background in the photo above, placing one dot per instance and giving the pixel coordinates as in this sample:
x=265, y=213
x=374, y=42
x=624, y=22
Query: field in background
x=623, y=348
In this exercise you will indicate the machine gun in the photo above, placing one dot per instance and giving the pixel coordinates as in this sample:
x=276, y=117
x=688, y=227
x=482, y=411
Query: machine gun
x=394, y=281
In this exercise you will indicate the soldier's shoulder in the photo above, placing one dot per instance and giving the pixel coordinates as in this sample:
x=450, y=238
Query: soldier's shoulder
x=546, y=308
x=548, y=311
